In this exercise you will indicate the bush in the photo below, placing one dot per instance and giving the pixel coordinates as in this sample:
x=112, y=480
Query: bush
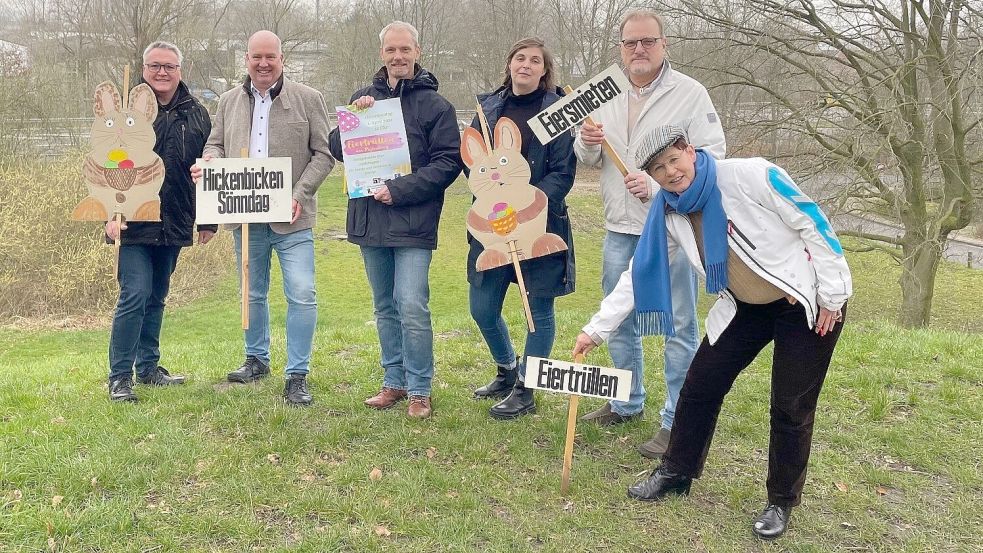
x=54, y=268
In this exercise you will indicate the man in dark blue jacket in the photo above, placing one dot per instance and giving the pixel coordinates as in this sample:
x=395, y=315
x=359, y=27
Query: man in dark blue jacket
x=396, y=228
x=150, y=250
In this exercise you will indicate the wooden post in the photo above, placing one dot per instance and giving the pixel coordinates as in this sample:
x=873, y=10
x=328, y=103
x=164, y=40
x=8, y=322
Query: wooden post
x=514, y=253
x=119, y=216
x=116, y=243
x=244, y=269
x=571, y=434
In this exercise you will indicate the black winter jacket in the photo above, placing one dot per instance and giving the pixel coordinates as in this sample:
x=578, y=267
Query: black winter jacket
x=435, y=156
x=552, y=168
x=182, y=127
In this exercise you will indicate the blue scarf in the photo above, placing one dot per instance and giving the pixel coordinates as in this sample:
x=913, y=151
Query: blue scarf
x=650, y=268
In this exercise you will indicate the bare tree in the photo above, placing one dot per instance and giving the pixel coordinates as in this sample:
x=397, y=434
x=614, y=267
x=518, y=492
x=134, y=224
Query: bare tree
x=887, y=93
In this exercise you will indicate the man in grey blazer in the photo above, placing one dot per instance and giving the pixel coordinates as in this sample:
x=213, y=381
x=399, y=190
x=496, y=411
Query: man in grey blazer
x=273, y=116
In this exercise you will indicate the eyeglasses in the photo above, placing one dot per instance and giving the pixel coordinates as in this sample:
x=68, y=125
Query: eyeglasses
x=167, y=67
x=647, y=42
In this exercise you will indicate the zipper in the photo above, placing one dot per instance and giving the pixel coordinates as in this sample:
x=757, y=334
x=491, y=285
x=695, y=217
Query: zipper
x=732, y=228
x=795, y=292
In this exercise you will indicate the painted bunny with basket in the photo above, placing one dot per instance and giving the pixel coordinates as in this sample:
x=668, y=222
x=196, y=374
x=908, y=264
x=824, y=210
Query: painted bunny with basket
x=507, y=209
x=122, y=172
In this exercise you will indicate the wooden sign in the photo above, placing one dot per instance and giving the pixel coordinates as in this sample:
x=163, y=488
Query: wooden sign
x=553, y=375
x=573, y=108
x=508, y=215
x=122, y=172
x=244, y=190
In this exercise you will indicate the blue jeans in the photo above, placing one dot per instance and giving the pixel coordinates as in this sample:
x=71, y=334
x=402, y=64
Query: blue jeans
x=295, y=251
x=144, y=278
x=399, y=278
x=625, y=344
x=486, y=309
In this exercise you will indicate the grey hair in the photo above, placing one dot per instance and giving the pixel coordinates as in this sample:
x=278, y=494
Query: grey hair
x=163, y=45
x=642, y=13
x=400, y=25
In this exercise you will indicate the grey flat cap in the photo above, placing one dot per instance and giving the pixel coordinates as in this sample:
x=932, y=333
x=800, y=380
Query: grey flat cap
x=656, y=142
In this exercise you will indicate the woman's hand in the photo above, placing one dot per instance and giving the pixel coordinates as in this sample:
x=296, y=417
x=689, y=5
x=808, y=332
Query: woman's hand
x=827, y=320
x=584, y=344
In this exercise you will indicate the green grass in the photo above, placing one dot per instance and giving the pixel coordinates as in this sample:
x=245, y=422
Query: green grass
x=212, y=467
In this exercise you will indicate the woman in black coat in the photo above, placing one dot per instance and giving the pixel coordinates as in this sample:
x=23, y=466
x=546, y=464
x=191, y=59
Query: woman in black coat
x=529, y=87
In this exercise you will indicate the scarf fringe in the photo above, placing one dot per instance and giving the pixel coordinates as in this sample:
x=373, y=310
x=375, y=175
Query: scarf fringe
x=716, y=277
x=655, y=322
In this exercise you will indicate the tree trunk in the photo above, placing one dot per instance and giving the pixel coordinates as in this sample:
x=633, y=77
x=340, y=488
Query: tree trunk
x=919, y=267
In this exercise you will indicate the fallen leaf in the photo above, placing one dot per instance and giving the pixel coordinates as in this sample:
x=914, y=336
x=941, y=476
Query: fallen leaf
x=431, y=452
x=308, y=477
x=452, y=494
x=881, y=490
x=847, y=525
x=376, y=474
x=273, y=458
x=382, y=532
x=841, y=486
x=94, y=482
x=16, y=495
x=58, y=420
x=56, y=500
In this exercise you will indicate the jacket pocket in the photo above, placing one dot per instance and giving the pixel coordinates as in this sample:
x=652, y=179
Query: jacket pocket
x=357, y=222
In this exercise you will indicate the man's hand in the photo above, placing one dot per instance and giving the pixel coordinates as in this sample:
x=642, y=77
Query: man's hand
x=584, y=344
x=827, y=320
x=364, y=102
x=196, y=171
x=637, y=184
x=204, y=236
x=592, y=135
x=382, y=194
x=113, y=230
x=296, y=209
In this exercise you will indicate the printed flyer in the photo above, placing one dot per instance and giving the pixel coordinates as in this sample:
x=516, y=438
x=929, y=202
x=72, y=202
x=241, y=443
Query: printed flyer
x=374, y=143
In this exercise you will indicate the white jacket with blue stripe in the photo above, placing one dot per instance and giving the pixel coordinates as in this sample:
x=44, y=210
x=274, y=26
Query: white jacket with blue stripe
x=776, y=229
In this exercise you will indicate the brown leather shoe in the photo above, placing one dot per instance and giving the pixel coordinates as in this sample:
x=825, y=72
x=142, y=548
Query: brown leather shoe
x=386, y=398
x=419, y=407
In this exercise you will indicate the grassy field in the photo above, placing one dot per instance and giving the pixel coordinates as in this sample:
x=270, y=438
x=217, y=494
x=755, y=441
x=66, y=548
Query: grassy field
x=896, y=463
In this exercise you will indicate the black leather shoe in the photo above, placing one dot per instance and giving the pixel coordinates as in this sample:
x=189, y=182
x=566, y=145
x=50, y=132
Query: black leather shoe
x=295, y=390
x=250, y=371
x=160, y=377
x=122, y=390
x=520, y=402
x=500, y=387
x=661, y=483
x=772, y=522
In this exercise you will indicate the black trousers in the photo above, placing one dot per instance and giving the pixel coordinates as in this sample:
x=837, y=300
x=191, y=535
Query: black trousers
x=799, y=367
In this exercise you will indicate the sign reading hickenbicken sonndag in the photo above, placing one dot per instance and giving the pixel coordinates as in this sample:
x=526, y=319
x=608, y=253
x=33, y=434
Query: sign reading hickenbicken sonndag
x=574, y=108
x=244, y=190
x=564, y=377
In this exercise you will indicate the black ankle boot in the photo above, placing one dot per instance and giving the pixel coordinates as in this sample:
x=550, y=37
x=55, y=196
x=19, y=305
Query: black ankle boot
x=520, y=402
x=661, y=483
x=500, y=387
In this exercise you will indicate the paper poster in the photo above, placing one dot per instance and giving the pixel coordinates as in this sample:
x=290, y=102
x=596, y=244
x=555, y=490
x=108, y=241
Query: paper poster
x=375, y=147
x=244, y=190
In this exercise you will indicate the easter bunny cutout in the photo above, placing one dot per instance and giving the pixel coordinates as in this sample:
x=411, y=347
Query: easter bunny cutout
x=122, y=172
x=508, y=216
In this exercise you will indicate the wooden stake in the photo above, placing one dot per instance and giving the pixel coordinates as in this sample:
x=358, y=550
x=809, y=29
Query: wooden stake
x=484, y=127
x=522, y=285
x=126, y=86
x=116, y=242
x=119, y=216
x=571, y=434
x=244, y=248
